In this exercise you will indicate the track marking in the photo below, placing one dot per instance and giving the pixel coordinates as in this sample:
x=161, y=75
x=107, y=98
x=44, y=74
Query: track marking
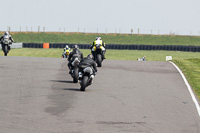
x=189, y=88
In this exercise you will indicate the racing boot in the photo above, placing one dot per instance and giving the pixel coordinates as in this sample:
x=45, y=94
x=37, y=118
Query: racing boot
x=92, y=79
x=93, y=53
x=104, y=54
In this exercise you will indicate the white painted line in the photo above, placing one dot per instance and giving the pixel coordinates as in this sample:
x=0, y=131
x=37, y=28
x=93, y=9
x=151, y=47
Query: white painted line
x=189, y=88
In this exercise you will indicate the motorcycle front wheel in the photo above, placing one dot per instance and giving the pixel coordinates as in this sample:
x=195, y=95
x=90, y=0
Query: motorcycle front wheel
x=84, y=83
x=5, y=50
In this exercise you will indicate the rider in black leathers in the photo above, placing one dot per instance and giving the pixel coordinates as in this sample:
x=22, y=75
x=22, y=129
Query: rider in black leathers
x=76, y=53
x=88, y=62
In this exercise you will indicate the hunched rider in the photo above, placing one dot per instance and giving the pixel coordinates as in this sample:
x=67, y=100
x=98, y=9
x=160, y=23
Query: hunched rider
x=88, y=62
x=98, y=41
x=76, y=53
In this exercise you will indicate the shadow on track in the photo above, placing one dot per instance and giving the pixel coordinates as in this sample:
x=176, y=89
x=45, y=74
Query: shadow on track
x=62, y=88
x=62, y=81
x=72, y=89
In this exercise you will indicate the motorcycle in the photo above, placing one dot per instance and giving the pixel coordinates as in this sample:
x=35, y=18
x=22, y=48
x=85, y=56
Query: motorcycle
x=86, y=77
x=98, y=56
x=6, y=45
x=65, y=54
x=75, y=69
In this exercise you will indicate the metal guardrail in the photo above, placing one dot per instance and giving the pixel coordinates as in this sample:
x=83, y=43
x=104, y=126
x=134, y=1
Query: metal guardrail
x=15, y=45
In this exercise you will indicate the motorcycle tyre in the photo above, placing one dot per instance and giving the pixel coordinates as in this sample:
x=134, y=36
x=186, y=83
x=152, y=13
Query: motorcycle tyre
x=99, y=60
x=75, y=77
x=84, y=83
x=5, y=50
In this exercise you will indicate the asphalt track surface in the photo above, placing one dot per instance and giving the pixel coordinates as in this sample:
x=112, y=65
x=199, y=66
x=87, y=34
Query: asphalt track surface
x=37, y=96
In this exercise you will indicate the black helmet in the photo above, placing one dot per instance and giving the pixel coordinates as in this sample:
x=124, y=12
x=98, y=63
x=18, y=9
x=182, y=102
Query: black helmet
x=90, y=56
x=76, y=47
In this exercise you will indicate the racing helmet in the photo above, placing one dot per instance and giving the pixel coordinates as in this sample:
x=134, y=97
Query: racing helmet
x=98, y=38
x=90, y=56
x=76, y=47
x=6, y=33
x=66, y=46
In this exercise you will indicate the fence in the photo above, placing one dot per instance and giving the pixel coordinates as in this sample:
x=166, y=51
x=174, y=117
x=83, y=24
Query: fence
x=135, y=30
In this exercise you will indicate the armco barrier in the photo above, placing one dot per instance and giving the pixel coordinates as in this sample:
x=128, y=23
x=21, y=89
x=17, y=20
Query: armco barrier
x=15, y=45
x=119, y=47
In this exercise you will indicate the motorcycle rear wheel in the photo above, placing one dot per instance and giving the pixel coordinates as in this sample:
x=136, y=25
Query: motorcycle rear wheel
x=75, y=77
x=99, y=60
x=84, y=83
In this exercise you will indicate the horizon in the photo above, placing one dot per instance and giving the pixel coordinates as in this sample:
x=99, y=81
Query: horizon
x=157, y=17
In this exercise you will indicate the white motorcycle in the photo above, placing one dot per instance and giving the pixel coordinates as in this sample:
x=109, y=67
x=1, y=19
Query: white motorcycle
x=6, y=45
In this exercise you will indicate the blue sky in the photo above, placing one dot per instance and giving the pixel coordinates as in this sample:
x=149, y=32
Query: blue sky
x=150, y=16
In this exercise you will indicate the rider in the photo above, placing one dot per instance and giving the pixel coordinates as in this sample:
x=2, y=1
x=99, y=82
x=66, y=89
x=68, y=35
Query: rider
x=76, y=53
x=66, y=51
x=98, y=41
x=7, y=37
x=88, y=62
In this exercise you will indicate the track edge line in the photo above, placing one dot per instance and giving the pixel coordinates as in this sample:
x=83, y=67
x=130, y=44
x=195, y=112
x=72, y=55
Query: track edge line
x=189, y=88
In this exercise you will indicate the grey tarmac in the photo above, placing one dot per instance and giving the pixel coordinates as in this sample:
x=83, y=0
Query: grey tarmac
x=37, y=96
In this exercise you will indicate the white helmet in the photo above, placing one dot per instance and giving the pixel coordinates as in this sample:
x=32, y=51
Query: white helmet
x=98, y=38
x=66, y=46
x=6, y=33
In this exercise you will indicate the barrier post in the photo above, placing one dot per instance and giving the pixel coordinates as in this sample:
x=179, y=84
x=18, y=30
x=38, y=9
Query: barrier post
x=46, y=45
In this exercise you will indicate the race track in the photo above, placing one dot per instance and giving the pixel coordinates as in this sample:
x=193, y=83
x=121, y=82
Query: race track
x=37, y=96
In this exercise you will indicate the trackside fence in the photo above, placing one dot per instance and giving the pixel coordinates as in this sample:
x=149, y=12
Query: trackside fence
x=120, y=47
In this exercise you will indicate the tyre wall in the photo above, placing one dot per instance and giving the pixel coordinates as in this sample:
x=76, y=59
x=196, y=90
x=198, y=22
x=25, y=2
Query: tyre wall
x=120, y=47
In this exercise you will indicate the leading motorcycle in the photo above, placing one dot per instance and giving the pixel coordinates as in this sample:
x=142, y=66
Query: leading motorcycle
x=6, y=45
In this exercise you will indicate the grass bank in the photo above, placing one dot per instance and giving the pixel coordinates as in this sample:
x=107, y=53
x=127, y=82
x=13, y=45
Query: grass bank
x=110, y=54
x=191, y=69
x=81, y=38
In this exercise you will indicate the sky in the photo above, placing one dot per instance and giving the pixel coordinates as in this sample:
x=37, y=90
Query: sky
x=180, y=17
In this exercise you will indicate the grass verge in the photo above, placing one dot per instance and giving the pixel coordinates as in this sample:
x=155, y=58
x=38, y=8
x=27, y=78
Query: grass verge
x=191, y=69
x=110, y=54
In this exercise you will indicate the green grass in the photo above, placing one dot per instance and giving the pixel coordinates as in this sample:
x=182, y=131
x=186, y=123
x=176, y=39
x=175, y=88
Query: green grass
x=81, y=38
x=191, y=69
x=110, y=54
